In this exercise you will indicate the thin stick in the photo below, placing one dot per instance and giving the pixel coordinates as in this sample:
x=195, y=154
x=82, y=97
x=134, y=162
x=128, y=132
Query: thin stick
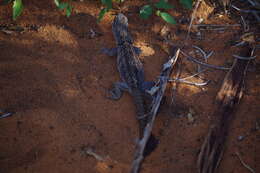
x=244, y=58
x=253, y=3
x=245, y=11
x=4, y=115
x=240, y=44
x=196, y=74
x=245, y=25
x=192, y=18
x=204, y=64
x=90, y=152
x=209, y=55
x=155, y=106
x=216, y=25
x=201, y=51
x=213, y=29
x=174, y=86
x=244, y=164
x=205, y=56
x=188, y=82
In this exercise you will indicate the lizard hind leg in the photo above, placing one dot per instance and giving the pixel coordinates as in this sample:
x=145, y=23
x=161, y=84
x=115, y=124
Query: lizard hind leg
x=117, y=92
x=147, y=85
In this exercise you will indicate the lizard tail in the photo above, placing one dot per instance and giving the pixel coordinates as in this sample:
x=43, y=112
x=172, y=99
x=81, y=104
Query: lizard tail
x=143, y=119
x=140, y=109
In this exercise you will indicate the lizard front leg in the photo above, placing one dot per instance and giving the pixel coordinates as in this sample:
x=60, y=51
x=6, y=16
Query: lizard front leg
x=117, y=92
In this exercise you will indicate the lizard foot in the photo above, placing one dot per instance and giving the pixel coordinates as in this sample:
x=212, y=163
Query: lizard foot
x=117, y=91
x=114, y=94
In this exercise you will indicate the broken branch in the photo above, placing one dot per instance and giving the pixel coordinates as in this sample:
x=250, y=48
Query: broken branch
x=161, y=84
x=244, y=164
x=227, y=98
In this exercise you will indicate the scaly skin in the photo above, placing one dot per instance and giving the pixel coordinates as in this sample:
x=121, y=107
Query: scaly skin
x=129, y=66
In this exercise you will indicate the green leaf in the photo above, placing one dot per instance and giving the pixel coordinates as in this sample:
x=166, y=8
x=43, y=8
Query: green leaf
x=146, y=11
x=63, y=5
x=102, y=13
x=17, y=8
x=107, y=3
x=166, y=17
x=57, y=2
x=186, y=3
x=68, y=10
x=163, y=5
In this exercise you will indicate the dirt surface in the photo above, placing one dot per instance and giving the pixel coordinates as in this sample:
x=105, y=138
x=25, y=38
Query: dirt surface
x=55, y=79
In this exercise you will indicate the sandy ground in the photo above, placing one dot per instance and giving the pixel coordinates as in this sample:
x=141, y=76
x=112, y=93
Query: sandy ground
x=55, y=79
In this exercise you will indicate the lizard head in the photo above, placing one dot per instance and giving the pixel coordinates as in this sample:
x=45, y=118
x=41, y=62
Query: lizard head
x=120, y=29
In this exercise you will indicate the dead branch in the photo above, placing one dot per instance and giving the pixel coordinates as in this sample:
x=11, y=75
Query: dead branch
x=217, y=25
x=227, y=99
x=194, y=75
x=90, y=152
x=4, y=114
x=157, y=97
x=189, y=82
x=244, y=58
x=192, y=17
x=244, y=164
x=204, y=64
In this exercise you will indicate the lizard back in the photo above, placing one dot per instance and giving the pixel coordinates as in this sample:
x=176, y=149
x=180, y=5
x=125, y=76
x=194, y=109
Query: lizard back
x=129, y=66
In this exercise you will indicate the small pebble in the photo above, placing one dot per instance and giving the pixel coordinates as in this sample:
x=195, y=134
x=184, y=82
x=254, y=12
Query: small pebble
x=240, y=138
x=200, y=20
x=257, y=127
x=190, y=117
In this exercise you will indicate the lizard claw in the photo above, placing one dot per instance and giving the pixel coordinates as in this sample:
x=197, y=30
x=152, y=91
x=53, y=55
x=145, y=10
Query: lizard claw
x=114, y=94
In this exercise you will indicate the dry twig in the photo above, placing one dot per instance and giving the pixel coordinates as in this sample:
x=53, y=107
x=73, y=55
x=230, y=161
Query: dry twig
x=204, y=64
x=161, y=86
x=244, y=164
x=4, y=114
x=189, y=82
x=227, y=98
x=192, y=17
x=90, y=152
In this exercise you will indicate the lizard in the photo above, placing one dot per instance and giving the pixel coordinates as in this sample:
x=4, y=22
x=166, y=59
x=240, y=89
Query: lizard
x=131, y=73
